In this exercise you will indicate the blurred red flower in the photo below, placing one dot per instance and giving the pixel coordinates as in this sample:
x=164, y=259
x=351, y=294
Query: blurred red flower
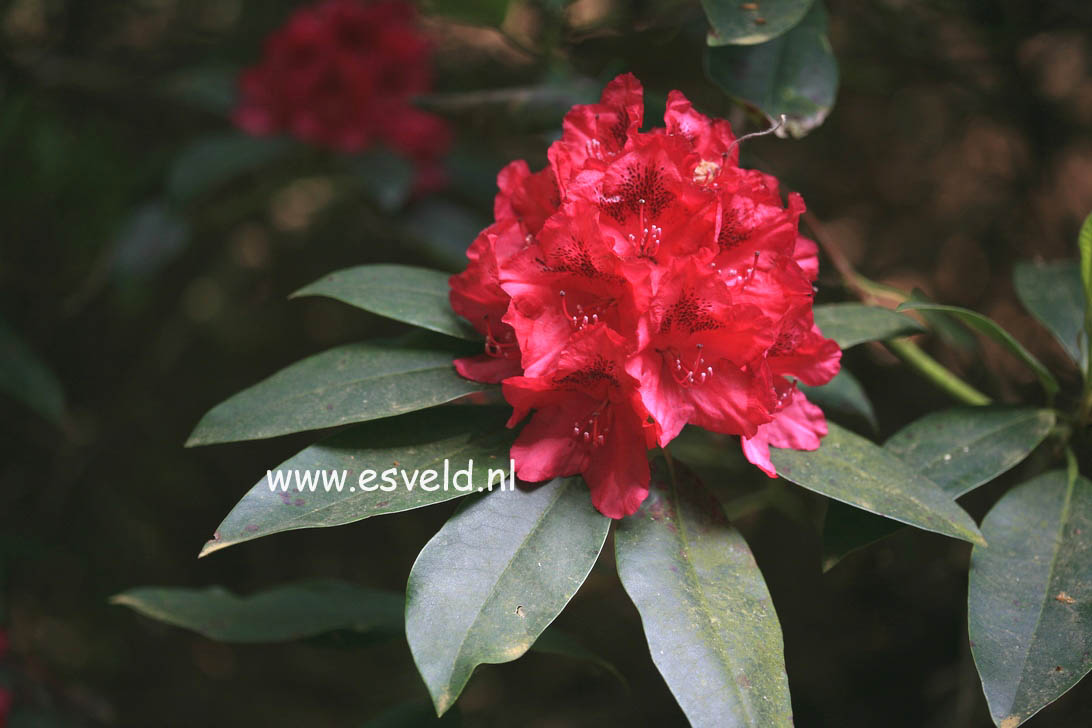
x=640, y=283
x=342, y=74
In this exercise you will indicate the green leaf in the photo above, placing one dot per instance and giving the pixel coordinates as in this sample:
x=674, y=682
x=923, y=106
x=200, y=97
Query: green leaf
x=958, y=449
x=417, y=442
x=1030, y=596
x=794, y=74
x=851, y=469
x=707, y=615
x=442, y=231
x=990, y=328
x=853, y=323
x=1084, y=242
x=479, y=12
x=1052, y=293
x=950, y=330
x=555, y=642
x=495, y=576
x=351, y=383
x=210, y=162
x=735, y=25
x=843, y=394
x=288, y=612
x=387, y=177
x=24, y=377
x=414, y=714
x=416, y=296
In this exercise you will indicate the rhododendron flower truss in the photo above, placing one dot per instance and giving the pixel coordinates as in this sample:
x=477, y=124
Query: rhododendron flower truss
x=642, y=282
x=342, y=73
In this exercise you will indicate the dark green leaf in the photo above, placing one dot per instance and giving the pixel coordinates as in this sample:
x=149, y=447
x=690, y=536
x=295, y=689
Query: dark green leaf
x=958, y=449
x=990, y=328
x=1052, y=293
x=847, y=529
x=853, y=323
x=414, y=714
x=212, y=161
x=288, y=612
x=853, y=470
x=481, y=12
x=27, y=379
x=495, y=576
x=443, y=230
x=733, y=24
x=416, y=296
x=208, y=88
x=951, y=330
x=417, y=442
x=388, y=177
x=1084, y=243
x=707, y=615
x=843, y=394
x=152, y=237
x=794, y=74
x=1030, y=596
x=555, y=642
x=352, y=383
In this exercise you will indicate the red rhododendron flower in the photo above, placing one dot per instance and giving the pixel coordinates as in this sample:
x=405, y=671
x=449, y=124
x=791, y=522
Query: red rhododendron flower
x=643, y=282
x=342, y=73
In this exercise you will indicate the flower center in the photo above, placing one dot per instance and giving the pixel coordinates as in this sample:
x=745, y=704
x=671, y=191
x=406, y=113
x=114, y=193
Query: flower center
x=583, y=314
x=692, y=374
x=503, y=346
x=594, y=430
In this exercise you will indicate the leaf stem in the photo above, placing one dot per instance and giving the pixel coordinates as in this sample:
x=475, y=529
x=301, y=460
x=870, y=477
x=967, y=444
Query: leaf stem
x=913, y=356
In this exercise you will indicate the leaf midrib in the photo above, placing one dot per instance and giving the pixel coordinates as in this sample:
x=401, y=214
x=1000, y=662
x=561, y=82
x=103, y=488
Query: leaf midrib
x=692, y=575
x=301, y=515
x=1034, y=415
x=1048, y=584
x=508, y=565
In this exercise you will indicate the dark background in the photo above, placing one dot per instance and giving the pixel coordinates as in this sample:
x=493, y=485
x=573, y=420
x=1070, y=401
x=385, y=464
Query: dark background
x=959, y=144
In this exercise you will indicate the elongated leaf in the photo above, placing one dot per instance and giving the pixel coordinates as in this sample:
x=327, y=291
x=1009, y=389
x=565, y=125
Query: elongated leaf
x=1030, y=595
x=352, y=383
x=990, y=328
x=555, y=642
x=414, y=714
x=707, y=615
x=482, y=12
x=288, y=612
x=951, y=330
x=495, y=576
x=851, y=469
x=843, y=394
x=415, y=296
x=387, y=177
x=1052, y=292
x=853, y=323
x=794, y=74
x=26, y=378
x=736, y=24
x=409, y=445
x=958, y=449
x=1084, y=243
x=212, y=161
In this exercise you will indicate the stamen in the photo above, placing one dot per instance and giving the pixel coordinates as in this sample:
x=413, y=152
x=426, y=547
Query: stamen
x=595, y=429
x=776, y=125
x=503, y=347
x=696, y=374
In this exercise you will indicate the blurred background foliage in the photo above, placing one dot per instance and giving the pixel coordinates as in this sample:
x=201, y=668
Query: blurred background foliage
x=147, y=251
